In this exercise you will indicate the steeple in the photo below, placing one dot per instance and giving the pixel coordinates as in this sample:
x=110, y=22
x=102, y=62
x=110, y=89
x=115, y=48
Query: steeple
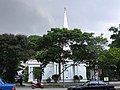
x=65, y=20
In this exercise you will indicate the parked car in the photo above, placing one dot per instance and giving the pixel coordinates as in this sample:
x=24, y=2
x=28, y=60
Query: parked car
x=93, y=85
x=6, y=86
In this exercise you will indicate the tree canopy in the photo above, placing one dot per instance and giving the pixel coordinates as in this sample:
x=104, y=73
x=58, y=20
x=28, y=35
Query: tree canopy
x=58, y=45
x=115, y=37
x=61, y=45
x=111, y=58
x=13, y=49
x=109, y=62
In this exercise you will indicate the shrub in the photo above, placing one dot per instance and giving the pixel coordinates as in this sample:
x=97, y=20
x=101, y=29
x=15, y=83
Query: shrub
x=55, y=77
x=48, y=80
x=25, y=74
x=76, y=77
x=80, y=77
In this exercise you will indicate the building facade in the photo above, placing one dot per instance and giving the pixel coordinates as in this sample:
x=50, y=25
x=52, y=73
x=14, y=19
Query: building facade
x=52, y=68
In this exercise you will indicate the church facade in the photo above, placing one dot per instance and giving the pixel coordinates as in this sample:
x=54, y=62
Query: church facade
x=52, y=68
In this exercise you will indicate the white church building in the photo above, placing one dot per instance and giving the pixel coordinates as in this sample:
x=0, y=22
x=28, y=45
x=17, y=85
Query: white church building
x=52, y=68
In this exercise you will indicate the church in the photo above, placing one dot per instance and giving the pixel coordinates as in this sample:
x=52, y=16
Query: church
x=52, y=68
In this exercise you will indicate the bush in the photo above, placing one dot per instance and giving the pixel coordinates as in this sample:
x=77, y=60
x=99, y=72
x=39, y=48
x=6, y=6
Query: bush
x=48, y=80
x=25, y=74
x=76, y=77
x=55, y=77
x=80, y=77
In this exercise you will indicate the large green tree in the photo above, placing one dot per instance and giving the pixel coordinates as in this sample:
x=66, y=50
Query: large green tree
x=109, y=63
x=115, y=44
x=61, y=45
x=13, y=49
x=110, y=58
x=50, y=47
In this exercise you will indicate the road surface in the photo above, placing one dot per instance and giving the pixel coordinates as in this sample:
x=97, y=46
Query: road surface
x=29, y=88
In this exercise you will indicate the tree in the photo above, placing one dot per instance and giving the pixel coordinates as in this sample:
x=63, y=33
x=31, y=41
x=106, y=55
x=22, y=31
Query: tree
x=33, y=39
x=109, y=59
x=111, y=56
x=51, y=47
x=115, y=37
x=109, y=62
x=60, y=45
x=13, y=49
x=89, y=50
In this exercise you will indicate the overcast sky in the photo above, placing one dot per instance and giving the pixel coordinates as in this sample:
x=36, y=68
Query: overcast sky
x=36, y=17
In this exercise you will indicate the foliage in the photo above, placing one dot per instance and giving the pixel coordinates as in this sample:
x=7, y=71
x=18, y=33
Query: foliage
x=48, y=80
x=13, y=49
x=112, y=55
x=55, y=77
x=51, y=47
x=76, y=77
x=115, y=37
x=109, y=60
x=89, y=51
x=80, y=77
x=33, y=39
x=36, y=72
x=61, y=45
x=58, y=45
x=26, y=74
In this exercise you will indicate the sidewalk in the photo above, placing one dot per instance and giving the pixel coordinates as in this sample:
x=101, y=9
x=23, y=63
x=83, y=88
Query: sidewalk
x=116, y=84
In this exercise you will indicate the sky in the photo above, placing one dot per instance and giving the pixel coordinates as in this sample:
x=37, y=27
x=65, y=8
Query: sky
x=36, y=17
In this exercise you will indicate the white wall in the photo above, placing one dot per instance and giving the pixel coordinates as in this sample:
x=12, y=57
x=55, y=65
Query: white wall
x=52, y=69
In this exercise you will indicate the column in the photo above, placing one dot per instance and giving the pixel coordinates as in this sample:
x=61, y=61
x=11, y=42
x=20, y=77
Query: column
x=30, y=73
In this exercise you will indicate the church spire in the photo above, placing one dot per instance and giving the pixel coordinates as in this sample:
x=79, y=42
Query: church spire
x=65, y=19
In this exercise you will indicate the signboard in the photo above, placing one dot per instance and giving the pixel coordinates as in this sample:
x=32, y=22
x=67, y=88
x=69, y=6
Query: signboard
x=106, y=79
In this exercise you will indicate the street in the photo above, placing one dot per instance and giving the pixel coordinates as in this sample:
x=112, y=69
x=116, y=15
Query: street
x=29, y=88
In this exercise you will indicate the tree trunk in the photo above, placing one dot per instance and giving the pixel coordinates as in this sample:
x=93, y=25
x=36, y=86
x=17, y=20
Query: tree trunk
x=59, y=67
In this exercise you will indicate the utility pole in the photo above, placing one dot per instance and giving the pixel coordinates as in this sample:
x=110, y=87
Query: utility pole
x=96, y=72
x=63, y=75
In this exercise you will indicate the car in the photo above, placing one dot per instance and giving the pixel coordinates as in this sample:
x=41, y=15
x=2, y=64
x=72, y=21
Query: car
x=93, y=85
x=6, y=86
